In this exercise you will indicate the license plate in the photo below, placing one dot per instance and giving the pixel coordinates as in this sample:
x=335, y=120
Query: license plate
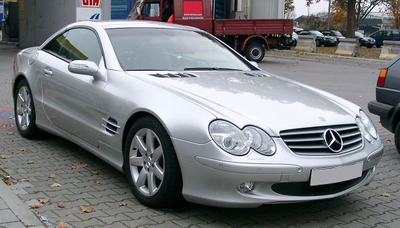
x=336, y=175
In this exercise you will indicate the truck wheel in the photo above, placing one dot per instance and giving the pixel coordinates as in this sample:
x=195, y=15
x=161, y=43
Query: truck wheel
x=255, y=52
x=397, y=138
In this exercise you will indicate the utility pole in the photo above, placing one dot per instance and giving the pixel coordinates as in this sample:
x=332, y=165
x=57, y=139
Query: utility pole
x=329, y=14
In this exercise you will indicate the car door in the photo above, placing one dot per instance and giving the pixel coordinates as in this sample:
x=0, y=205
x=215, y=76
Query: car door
x=72, y=101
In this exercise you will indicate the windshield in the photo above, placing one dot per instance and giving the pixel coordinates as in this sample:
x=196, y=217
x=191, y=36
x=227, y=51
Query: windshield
x=358, y=34
x=317, y=33
x=336, y=33
x=173, y=50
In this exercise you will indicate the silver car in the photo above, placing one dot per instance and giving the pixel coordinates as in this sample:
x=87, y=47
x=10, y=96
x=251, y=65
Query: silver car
x=186, y=117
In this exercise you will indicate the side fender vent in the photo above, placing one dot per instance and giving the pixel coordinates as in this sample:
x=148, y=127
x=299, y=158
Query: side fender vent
x=111, y=126
x=175, y=75
x=258, y=75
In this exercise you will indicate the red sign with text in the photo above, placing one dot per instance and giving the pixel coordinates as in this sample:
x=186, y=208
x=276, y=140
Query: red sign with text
x=193, y=8
x=91, y=3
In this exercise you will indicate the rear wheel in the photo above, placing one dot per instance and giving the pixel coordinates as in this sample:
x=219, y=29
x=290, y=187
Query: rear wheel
x=397, y=138
x=151, y=165
x=255, y=52
x=317, y=43
x=24, y=110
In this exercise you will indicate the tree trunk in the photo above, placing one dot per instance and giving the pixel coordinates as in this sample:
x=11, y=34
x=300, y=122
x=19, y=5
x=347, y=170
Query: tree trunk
x=351, y=19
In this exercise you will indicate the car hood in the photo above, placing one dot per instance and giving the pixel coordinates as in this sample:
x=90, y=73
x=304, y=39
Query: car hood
x=259, y=98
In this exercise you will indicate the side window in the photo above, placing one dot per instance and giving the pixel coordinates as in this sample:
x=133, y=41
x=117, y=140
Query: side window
x=378, y=34
x=56, y=44
x=151, y=9
x=77, y=44
x=386, y=33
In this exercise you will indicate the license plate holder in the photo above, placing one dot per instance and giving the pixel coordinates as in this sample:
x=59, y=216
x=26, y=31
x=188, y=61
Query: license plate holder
x=336, y=174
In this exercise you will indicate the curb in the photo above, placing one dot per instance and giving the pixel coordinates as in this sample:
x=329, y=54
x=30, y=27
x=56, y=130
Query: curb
x=21, y=210
x=295, y=54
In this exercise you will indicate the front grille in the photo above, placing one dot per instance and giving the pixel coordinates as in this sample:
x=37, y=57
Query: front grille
x=310, y=141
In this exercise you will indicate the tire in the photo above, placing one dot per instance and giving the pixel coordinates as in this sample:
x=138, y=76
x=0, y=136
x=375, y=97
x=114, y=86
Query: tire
x=151, y=165
x=317, y=43
x=24, y=110
x=255, y=52
x=397, y=138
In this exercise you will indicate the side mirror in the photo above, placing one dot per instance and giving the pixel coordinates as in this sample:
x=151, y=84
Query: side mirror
x=86, y=67
x=83, y=67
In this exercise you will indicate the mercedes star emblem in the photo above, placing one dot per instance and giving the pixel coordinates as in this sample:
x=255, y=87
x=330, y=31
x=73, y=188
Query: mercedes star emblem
x=333, y=140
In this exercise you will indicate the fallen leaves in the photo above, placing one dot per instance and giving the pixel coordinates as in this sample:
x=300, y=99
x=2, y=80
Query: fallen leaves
x=10, y=133
x=3, y=156
x=52, y=176
x=77, y=166
x=44, y=201
x=96, y=182
x=61, y=225
x=85, y=210
x=55, y=185
x=30, y=162
x=122, y=204
x=389, y=140
x=385, y=194
x=94, y=173
x=36, y=205
x=24, y=149
x=39, y=142
x=61, y=205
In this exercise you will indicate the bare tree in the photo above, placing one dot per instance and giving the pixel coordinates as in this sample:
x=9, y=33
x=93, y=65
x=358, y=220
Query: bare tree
x=289, y=9
x=394, y=10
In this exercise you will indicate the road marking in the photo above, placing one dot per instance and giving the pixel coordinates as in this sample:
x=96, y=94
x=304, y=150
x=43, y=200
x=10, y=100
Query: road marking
x=7, y=119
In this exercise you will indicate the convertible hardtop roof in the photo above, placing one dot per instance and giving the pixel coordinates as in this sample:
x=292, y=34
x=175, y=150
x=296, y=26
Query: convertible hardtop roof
x=130, y=24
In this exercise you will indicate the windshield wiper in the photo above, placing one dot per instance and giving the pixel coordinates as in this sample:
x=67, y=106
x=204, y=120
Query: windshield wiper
x=211, y=68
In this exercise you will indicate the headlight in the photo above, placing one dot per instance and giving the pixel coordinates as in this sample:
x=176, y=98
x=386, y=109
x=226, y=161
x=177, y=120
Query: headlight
x=238, y=142
x=366, y=126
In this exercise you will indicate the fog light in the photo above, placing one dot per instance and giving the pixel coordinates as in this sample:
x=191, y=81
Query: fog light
x=246, y=187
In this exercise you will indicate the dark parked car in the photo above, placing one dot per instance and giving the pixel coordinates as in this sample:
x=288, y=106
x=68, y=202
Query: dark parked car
x=387, y=103
x=385, y=34
x=333, y=33
x=365, y=41
x=320, y=39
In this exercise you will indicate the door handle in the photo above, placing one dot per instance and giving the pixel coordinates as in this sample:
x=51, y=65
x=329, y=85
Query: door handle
x=48, y=71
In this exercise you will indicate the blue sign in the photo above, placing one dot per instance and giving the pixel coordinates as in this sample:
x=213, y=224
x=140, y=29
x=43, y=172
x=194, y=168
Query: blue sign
x=121, y=8
x=1, y=11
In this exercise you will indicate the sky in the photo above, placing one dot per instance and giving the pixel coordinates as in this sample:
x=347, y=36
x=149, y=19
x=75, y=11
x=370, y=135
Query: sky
x=322, y=6
x=302, y=9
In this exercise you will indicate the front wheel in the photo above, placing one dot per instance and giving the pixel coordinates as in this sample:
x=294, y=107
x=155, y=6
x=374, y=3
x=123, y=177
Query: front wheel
x=151, y=165
x=255, y=52
x=24, y=110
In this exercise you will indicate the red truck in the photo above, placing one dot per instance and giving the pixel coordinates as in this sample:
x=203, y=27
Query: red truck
x=250, y=37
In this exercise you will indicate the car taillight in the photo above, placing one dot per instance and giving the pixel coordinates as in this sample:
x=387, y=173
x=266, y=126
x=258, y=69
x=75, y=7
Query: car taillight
x=14, y=62
x=382, y=77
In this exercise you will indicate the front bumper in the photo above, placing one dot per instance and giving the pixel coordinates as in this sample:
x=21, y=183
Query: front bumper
x=384, y=111
x=282, y=178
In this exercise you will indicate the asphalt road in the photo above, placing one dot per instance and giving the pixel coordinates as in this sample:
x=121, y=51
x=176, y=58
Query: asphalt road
x=100, y=187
